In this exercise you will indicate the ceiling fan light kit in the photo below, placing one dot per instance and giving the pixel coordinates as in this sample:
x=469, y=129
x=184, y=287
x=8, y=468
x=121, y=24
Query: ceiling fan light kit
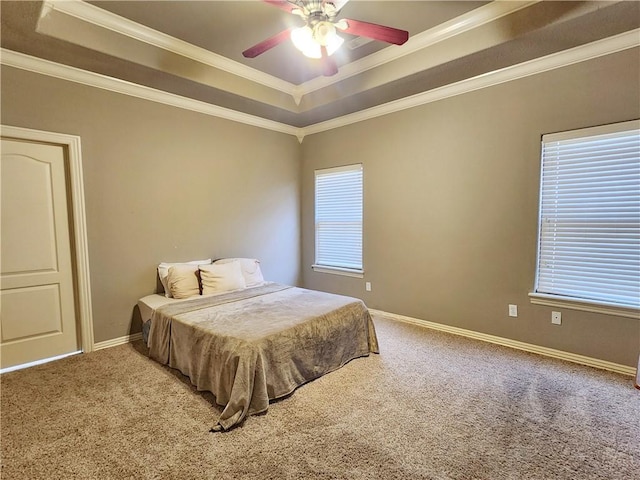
x=310, y=40
x=318, y=38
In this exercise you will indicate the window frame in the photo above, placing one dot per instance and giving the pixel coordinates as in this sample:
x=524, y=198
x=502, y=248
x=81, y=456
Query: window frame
x=565, y=301
x=337, y=269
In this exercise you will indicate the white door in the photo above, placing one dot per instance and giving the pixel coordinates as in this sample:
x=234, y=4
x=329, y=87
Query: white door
x=37, y=303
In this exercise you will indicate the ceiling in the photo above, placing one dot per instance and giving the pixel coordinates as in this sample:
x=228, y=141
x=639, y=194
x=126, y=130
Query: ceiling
x=191, y=50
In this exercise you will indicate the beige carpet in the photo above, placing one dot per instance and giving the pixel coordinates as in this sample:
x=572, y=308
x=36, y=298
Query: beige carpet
x=430, y=406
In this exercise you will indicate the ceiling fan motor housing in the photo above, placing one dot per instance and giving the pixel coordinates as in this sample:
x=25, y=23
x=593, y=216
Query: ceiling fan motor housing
x=319, y=18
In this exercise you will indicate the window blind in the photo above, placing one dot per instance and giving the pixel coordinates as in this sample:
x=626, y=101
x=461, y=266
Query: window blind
x=589, y=242
x=338, y=217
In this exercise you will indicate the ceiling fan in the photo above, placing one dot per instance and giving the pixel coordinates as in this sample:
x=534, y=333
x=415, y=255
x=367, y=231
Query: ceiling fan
x=318, y=37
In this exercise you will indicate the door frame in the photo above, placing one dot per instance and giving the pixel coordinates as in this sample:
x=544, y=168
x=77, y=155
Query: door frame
x=80, y=253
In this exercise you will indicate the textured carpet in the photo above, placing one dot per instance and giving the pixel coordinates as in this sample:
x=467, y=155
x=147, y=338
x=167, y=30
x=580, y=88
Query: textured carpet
x=430, y=406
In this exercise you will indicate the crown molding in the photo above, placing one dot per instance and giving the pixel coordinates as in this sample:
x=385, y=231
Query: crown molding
x=102, y=18
x=105, y=19
x=84, y=77
x=564, y=58
x=456, y=26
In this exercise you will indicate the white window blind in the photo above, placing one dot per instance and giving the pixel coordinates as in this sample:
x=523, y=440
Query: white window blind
x=338, y=202
x=589, y=244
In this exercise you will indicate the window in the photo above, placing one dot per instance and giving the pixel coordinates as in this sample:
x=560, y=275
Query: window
x=338, y=206
x=589, y=230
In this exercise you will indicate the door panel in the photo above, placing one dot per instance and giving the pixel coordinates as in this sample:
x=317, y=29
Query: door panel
x=37, y=307
x=28, y=231
x=36, y=284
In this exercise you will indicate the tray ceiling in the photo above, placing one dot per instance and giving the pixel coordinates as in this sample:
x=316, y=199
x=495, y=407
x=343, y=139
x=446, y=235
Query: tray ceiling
x=192, y=49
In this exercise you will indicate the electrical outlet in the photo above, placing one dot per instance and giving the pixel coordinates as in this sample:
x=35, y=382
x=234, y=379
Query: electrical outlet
x=367, y=286
x=556, y=318
x=513, y=310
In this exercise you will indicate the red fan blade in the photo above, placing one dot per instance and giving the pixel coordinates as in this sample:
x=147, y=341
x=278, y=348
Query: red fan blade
x=329, y=66
x=377, y=32
x=265, y=45
x=281, y=4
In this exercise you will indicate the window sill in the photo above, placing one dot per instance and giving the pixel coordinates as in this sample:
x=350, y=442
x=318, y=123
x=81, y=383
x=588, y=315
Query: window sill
x=347, y=272
x=584, y=305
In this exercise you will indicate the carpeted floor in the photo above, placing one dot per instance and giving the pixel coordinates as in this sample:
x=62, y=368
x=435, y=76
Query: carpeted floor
x=430, y=406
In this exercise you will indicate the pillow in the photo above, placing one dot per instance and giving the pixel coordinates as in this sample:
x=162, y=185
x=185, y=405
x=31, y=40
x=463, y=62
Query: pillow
x=183, y=281
x=250, y=269
x=221, y=277
x=163, y=271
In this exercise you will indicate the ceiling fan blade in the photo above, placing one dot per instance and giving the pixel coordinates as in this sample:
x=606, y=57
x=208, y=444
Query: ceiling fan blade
x=329, y=67
x=267, y=44
x=282, y=5
x=375, y=31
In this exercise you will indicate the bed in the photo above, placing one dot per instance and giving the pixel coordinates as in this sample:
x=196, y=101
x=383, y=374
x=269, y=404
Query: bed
x=252, y=345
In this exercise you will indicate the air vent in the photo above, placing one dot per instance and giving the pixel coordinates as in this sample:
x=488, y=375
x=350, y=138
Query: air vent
x=357, y=42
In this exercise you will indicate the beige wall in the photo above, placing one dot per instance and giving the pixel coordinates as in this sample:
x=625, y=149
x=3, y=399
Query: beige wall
x=451, y=197
x=165, y=184
x=451, y=204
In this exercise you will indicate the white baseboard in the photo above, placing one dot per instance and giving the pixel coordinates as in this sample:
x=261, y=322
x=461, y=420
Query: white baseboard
x=117, y=341
x=506, y=342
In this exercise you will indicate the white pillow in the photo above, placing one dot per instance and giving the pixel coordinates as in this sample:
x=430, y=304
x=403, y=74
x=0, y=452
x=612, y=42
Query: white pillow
x=221, y=277
x=183, y=281
x=250, y=269
x=163, y=271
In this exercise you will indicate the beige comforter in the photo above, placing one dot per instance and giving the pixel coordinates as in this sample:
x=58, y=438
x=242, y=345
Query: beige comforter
x=252, y=346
